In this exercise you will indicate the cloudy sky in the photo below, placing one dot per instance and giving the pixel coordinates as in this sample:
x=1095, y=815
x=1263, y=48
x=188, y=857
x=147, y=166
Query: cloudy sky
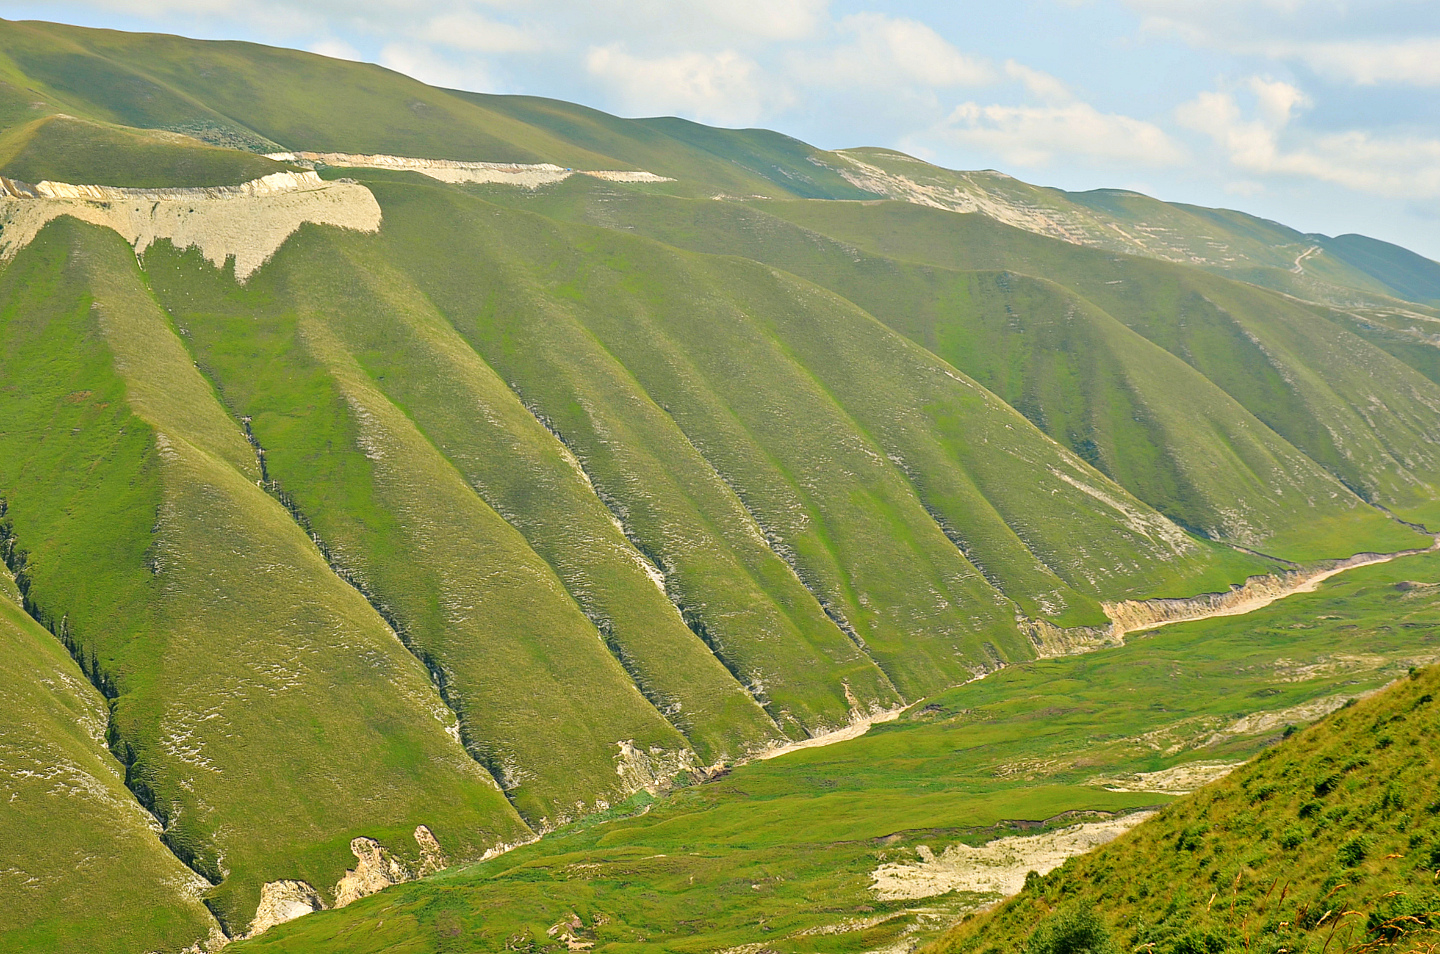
x=1323, y=114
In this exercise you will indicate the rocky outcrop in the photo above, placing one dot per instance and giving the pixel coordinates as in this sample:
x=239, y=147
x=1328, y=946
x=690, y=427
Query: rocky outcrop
x=248, y=222
x=1132, y=616
x=266, y=185
x=651, y=771
x=1050, y=640
x=525, y=175
x=375, y=869
x=282, y=901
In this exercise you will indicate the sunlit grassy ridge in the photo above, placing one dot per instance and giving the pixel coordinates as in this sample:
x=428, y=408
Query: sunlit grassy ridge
x=1015, y=312
x=1307, y=378
x=1329, y=840
x=1352, y=270
x=267, y=711
x=75, y=151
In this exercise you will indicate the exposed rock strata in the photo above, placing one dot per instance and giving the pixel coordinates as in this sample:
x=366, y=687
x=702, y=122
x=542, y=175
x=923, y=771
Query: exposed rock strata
x=525, y=175
x=282, y=901
x=1134, y=615
x=1131, y=616
x=248, y=222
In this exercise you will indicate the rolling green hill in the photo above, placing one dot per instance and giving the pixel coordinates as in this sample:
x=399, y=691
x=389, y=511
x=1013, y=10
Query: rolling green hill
x=478, y=512
x=1327, y=840
x=77, y=151
x=1350, y=270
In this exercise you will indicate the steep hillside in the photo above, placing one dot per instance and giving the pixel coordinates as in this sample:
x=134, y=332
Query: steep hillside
x=1329, y=840
x=75, y=151
x=724, y=575
x=1206, y=421
x=401, y=521
x=85, y=868
x=243, y=96
x=267, y=713
x=1309, y=379
x=863, y=845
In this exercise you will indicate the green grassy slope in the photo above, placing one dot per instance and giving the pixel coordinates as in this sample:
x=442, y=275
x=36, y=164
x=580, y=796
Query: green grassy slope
x=780, y=853
x=72, y=150
x=1328, y=840
x=261, y=97
x=1405, y=274
x=506, y=513
x=85, y=869
x=268, y=712
x=248, y=96
x=253, y=97
x=1306, y=377
x=1140, y=414
x=541, y=701
x=693, y=341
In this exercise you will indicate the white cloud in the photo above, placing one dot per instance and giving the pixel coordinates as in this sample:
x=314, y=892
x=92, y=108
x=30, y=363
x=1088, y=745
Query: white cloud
x=1410, y=62
x=428, y=66
x=1265, y=143
x=472, y=32
x=724, y=87
x=887, y=52
x=1069, y=132
x=767, y=19
x=1377, y=42
x=336, y=49
x=1041, y=85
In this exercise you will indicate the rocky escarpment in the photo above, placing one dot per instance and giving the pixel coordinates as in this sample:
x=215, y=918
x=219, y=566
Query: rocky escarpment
x=525, y=175
x=1050, y=640
x=1131, y=616
x=247, y=222
x=375, y=868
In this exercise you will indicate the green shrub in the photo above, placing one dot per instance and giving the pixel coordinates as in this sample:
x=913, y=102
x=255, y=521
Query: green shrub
x=1201, y=942
x=1292, y=837
x=1191, y=837
x=1353, y=851
x=1263, y=793
x=1071, y=931
x=1401, y=915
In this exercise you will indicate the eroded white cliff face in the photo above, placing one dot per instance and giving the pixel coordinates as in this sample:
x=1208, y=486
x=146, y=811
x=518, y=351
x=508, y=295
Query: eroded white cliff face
x=248, y=222
x=524, y=175
x=376, y=868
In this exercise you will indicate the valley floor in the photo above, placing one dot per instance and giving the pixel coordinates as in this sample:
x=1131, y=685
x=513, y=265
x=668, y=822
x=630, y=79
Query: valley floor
x=880, y=842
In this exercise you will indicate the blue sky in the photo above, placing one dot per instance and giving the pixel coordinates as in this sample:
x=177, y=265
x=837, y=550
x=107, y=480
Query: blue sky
x=1323, y=114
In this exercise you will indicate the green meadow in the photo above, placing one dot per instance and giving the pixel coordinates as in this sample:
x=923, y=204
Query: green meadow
x=780, y=853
